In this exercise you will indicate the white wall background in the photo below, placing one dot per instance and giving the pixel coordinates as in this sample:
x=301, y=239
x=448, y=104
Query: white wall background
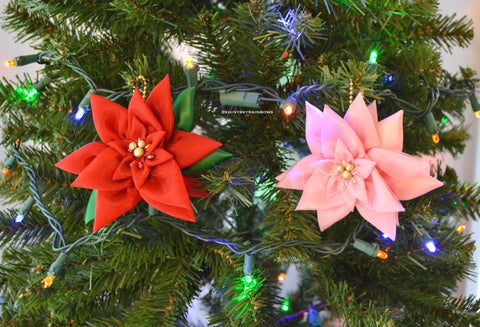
x=466, y=165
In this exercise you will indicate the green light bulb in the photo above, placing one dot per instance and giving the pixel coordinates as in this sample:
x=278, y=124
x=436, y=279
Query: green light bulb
x=285, y=305
x=373, y=57
x=29, y=95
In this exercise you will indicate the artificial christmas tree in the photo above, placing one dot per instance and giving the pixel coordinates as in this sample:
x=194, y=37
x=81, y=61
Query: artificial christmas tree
x=293, y=130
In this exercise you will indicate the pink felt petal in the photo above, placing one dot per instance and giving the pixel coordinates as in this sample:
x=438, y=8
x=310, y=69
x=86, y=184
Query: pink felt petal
x=98, y=175
x=362, y=122
x=296, y=177
x=356, y=187
x=315, y=194
x=391, y=132
x=372, y=108
x=398, y=165
x=342, y=153
x=160, y=102
x=335, y=185
x=312, y=128
x=333, y=128
x=327, y=218
x=136, y=129
x=139, y=109
x=110, y=118
x=414, y=187
x=78, y=160
x=385, y=222
x=326, y=166
x=380, y=197
x=165, y=191
x=123, y=170
x=111, y=205
x=364, y=167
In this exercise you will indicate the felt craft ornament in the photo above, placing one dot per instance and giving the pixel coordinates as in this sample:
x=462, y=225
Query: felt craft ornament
x=357, y=162
x=142, y=154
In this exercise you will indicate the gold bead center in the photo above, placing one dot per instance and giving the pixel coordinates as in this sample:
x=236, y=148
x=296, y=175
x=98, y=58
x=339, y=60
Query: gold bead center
x=138, y=148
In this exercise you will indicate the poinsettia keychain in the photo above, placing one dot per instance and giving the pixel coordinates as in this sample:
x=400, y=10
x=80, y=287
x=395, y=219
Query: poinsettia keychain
x=143, y=151
x=357, y=162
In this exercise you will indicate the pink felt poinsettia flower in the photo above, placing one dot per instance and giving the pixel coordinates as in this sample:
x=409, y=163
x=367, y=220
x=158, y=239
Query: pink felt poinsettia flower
x=357, y=162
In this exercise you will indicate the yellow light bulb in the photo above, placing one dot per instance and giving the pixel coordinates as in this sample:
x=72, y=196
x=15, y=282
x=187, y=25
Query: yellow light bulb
x=48, y=281
x=477, y=113
x=382, y=254
x=189, y=63
x=461, y=228
x=11, y=63
x=435, y=138
x=5, y=171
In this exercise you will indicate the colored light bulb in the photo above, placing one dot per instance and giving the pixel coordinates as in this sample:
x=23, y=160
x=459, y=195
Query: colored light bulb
x=5, y=171
x=382, y=254
x=430, y=245
x=19, y=218
x=189, y=63
x=461, y=228
x=11, y=63
x=48, y=281
x=285, y=305
x=289, y=109
x=435, y=138
x=281, y=277
x=373, y=57
x=80, y=113
x=477, y=113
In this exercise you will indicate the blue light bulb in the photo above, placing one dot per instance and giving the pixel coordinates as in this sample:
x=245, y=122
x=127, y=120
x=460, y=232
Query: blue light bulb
x=385, y=236
x=19, y=218
x=80, y=113
x=430, y=245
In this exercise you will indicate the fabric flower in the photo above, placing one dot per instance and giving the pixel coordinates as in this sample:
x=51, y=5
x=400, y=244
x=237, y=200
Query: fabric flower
x=357, y=162
x=140, y=157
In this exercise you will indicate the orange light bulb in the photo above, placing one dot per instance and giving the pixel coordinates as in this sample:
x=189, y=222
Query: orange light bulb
x=11, y=63
x=5, y=171
x=477, y=113
x=289, y=109
x=382, y=254
x=435, y=138
x=189, y=63
x=281, y=277
x=461, y=228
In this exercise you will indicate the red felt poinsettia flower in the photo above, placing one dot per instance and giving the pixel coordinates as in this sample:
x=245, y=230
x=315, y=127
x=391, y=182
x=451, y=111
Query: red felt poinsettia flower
x=140, y=157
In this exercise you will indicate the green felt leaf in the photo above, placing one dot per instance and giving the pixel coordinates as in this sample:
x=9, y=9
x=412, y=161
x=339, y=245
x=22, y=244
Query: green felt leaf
x=207, y=162
x=90, y=213
x=183, y=110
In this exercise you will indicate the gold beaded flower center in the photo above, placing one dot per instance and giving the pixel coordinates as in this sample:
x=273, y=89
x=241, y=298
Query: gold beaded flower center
x=345, y=170
x=138, y=148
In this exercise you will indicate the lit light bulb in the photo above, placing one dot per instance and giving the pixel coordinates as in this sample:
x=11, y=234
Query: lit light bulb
x=48, y=281
x=435, y=138
x=80, y=113
x=477, y=113
x=382, y=254
x=285, y=305
x=430, y=245
x=189, y=63
x=11, y=63
x=6, y=171
x=385, y=236
x=19, y=218
x=461, y=228
x=289, y=109
x=373, y=57
x=281, y=277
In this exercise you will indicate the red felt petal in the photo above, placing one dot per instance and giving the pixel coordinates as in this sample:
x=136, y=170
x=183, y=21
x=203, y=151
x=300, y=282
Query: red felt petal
x=139, y=109
x=110, y=118
x=160, y=102
x=140, y=172
x=154, y=140
x=123, y=170
x=192, y=183
x=136, y=129
x=188, y=148
x=111, y=205
x=165, y=191
x=157, y=157
x=99, y=174
x=78, y=160
x=121, y=146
